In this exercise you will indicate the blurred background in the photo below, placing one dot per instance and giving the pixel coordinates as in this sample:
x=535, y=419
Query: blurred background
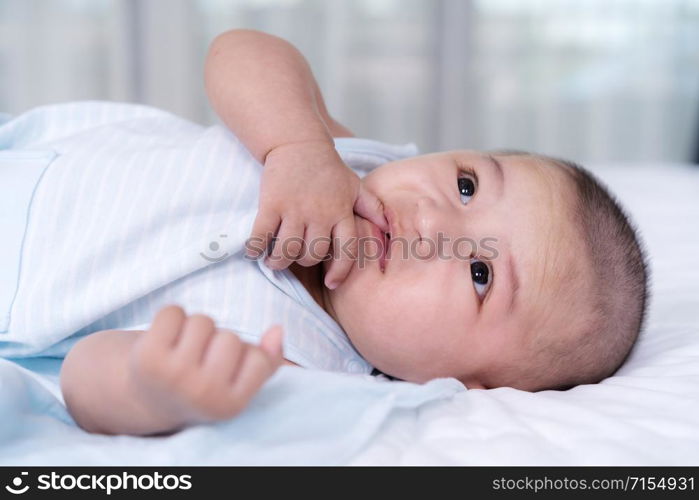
x=588, y=80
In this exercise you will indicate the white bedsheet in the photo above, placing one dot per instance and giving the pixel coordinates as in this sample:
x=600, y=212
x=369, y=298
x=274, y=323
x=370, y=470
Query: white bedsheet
x=647, y=414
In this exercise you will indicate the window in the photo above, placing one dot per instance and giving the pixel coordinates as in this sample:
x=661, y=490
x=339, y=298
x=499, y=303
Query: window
x=599, y=80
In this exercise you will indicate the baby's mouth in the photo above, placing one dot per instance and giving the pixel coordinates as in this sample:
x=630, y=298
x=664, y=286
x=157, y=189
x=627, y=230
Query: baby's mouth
x=385, y=251
x=387, y=246
x=384, y=244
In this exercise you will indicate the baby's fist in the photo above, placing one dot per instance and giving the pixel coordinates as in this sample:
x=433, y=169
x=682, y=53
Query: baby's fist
x=196, y=373
x=308, y=197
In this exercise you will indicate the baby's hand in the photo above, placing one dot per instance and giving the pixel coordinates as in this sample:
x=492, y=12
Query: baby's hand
x=190, y=372
x=309, y=195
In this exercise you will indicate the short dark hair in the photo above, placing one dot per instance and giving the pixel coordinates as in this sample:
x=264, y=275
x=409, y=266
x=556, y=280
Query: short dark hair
x=620, y=287
x=620, y=276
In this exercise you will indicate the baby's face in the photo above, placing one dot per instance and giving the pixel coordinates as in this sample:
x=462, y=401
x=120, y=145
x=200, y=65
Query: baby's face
x=469, y=310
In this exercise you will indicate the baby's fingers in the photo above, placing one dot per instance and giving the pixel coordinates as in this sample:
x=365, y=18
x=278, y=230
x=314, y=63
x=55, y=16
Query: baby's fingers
x=223, y=356
x=257, y=365
x=288, y=244
x=316, y=245
x=344, y=252
x=263, y=230
x=271, y=343
x=164, y=331
x=370, y=207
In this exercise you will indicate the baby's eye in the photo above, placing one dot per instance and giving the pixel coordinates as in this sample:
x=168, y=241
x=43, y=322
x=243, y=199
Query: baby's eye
x=481, y=276
x=467, y=188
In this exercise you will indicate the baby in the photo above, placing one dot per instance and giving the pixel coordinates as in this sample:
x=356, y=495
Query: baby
x=497, y=268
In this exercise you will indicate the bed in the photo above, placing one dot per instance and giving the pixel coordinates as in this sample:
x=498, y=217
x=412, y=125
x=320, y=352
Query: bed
x=647, y=414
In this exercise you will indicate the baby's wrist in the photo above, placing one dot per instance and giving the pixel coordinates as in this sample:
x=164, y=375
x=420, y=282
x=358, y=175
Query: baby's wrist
x=303, y=148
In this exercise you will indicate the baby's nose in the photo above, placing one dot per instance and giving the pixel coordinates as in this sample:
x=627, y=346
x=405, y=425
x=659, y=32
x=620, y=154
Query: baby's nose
x=424, y=201
x=428, y=216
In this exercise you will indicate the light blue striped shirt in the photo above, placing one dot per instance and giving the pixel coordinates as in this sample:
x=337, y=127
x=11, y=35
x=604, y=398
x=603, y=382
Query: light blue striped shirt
x=110, y=211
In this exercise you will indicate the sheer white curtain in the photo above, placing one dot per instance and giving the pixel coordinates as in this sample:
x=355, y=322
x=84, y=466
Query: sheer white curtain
x=584, y=79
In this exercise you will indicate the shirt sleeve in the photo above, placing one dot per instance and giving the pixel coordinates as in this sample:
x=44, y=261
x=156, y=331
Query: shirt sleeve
x=363, y=155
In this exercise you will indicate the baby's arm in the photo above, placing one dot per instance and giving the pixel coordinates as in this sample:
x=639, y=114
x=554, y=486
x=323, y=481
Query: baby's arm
x=264, y=91
x=182, y=371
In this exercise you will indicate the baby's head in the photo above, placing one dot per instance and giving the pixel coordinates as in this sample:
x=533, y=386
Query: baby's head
x=539, y=281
